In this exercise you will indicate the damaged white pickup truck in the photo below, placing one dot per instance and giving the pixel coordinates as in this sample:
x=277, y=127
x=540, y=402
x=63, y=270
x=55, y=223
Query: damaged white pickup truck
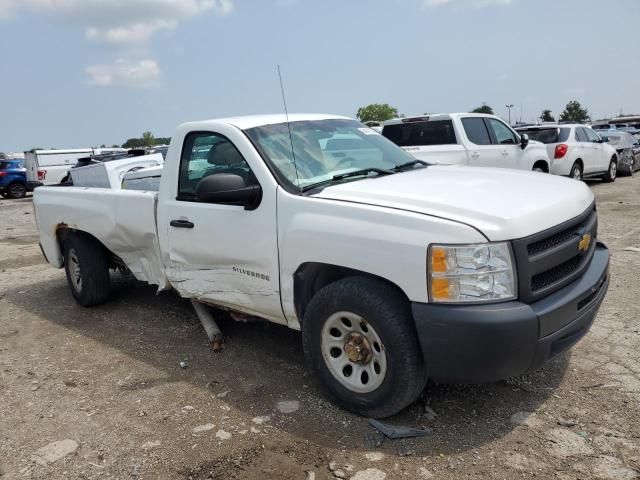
x=394, y=270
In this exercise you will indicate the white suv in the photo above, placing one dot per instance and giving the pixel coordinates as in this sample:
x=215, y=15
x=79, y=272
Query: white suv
x=473, y=139
x=576, y=151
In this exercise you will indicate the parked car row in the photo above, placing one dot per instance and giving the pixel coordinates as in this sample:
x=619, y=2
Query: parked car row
x=571, y=150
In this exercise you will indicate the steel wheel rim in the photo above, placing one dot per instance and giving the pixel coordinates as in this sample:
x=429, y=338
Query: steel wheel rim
x=74, y=271
x=613, y=170
x=337, y=336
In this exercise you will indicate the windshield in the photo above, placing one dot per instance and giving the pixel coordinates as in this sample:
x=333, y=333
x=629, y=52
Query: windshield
x=324, y=149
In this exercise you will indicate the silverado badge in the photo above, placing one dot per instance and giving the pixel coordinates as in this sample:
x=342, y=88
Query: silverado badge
x=583, y=246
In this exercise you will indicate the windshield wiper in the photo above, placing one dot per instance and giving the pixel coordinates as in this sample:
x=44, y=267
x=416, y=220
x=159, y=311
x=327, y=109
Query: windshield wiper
x=412, y=163
x=342, y=176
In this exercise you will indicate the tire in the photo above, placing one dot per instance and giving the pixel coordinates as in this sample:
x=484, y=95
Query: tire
x=87, y=268
x=17, y=190
x=632, y=166
x=395, y=372
x=576, y=171
x=612, y=173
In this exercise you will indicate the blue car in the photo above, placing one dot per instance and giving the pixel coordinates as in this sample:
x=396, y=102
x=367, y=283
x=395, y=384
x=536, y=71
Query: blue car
x=13, y=179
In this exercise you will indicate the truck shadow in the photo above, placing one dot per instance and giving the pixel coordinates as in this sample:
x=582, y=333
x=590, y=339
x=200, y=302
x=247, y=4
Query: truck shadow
x=263, y=363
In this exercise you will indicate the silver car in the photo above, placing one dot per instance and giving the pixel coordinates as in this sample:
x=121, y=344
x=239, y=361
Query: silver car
x=628, y=148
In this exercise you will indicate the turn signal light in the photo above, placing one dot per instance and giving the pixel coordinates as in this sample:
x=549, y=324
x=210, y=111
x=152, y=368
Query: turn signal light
x=3, y=174
x=561, y=150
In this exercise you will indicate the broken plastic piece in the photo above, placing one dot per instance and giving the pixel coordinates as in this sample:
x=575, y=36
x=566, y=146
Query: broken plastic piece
x=395, y=431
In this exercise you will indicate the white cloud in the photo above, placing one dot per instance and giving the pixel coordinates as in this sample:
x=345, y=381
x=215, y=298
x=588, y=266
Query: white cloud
x=466, y=3
x=125, y=73
x=120, y=22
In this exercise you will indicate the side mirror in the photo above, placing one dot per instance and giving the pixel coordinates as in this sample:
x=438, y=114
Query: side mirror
x=524, y=140
x=603, y=139
x=228, y=189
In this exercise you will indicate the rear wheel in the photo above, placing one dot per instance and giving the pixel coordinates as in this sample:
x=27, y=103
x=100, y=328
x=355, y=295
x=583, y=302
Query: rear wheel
x=17, y=190
x=87, y=268
x=576, y=171
x=612, y=173
x=360, y=342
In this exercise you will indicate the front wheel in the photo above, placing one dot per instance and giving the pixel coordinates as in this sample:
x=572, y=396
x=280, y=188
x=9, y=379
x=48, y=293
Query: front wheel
x=360, y=342
x=87, y=267
x=612, y=173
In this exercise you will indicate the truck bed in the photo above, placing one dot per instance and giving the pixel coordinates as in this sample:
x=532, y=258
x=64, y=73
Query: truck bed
x=123, y=220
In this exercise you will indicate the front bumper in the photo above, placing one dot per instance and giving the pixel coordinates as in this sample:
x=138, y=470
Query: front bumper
x=482, y=343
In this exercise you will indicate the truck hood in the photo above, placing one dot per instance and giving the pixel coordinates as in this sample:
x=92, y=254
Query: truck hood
x=503, y=204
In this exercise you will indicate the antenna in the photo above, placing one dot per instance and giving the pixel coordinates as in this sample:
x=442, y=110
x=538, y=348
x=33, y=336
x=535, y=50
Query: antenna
x=286, y=113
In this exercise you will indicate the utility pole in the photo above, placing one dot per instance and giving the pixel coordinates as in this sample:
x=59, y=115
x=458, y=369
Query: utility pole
x=509, y=107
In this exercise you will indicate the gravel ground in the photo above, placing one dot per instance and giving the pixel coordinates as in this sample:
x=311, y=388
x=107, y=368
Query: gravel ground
x=100, y=392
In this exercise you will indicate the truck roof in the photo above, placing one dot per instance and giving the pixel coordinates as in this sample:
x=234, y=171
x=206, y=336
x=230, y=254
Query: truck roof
x=251, y=121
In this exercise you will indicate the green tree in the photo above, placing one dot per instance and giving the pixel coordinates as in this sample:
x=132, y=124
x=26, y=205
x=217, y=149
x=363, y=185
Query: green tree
x=115, y=146
x=133, y=143
x=148, y=140
x=376, y=112
x=574, y=112
x=484, y=108
x=546, y=116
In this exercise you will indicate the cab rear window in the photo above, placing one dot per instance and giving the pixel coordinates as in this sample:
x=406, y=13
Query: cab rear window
x=548, y=135
x=413, y=134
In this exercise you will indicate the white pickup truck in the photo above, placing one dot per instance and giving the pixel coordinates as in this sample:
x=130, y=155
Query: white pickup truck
x=473, y=139
x=394, y=270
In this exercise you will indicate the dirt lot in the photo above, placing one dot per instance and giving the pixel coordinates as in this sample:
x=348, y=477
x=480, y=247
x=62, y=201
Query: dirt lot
x=106, y=384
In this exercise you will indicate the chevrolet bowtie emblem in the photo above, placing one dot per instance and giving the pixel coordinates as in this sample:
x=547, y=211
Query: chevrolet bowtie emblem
x=585, y=242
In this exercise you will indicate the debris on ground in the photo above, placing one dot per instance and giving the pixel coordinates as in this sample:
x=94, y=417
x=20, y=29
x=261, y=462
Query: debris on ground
x=632, y=249
x=429, y=413
x=288, y=406
x=203, y=428
x=373, y=440
x=183, y=364
x=55, y=451
x=566, y=423
x=396, y=431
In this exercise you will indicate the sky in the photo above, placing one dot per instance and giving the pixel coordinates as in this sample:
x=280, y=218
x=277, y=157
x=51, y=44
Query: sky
x=80, y=73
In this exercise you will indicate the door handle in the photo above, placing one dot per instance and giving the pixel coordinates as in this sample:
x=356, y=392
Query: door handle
x=504, y=153
x=475, y=154
x=181, y=224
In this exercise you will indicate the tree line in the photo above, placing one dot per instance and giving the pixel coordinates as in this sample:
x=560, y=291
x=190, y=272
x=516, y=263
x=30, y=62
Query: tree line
x=380, y=112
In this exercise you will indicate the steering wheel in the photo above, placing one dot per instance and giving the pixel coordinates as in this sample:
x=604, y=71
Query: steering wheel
x=345, y=160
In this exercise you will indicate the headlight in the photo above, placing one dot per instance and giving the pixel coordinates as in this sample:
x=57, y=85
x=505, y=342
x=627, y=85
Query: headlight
x=471, y=273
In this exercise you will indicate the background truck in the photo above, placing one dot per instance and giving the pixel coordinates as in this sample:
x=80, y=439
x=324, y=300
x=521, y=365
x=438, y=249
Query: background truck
x=473, y=139
x=394, y=271
x=51, y=167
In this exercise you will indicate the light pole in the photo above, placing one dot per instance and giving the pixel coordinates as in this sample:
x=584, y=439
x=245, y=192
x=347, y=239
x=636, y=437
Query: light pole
x=509, y=107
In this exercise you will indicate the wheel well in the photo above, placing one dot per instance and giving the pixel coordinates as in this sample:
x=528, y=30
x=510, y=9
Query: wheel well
x=312, y=277
x=541, y=164
x=63, y=232
x=579, y=162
